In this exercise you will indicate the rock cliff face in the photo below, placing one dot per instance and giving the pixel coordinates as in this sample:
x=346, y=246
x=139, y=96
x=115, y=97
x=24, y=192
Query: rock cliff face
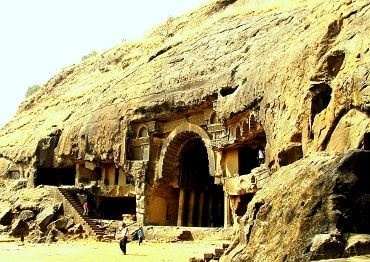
x=308, y=211
x=301, y=67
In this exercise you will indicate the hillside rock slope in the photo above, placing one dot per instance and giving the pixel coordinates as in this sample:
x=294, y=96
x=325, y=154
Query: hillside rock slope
x=302, y=67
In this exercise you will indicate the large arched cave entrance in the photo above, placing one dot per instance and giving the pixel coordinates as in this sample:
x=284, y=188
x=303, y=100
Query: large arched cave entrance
x=187, y=195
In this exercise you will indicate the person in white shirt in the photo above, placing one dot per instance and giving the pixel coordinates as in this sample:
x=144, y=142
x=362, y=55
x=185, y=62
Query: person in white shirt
x=261, y=156
x=123, y=241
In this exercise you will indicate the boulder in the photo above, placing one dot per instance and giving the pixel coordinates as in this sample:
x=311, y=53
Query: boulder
x=62, y=224
x=44, y=218
x=76, y=229
x=54, y=235
x=305, y=210
x=36, y=236
x=3, y=228
x=18, y=184
x=326, y=246
x=5, y=215
x=357, y=245
x=26, y=215
x=19, y=228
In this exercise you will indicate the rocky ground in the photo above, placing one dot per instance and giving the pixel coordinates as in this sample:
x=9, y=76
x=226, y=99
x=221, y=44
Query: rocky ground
x=34, y=213
x=317, y=208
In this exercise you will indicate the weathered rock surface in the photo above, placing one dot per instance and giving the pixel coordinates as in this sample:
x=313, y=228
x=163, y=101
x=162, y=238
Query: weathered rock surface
x=5, y=210
x=357, y=244
x=19, y=227
x=306, y=209
x=77, y=228
x=62, y=224
x=43, y=218
x=36, y=212
x=302, y=66
x=54, y=235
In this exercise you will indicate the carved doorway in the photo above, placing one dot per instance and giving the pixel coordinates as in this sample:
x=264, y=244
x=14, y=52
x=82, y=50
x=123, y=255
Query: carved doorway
x=200, y=200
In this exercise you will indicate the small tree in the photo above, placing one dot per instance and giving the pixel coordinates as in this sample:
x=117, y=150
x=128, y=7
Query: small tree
x=32, y=89
x=92, y=53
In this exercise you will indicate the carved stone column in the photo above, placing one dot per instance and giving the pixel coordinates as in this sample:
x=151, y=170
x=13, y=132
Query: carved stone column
x=191, y=208
x=210, y=209
x=227, y=215
x=200, y=209
x=180, y=211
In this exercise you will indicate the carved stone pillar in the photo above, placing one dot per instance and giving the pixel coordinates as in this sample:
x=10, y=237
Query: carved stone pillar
x=180, y=211
x=200, y=209
x=227, y=215
x=191, y=208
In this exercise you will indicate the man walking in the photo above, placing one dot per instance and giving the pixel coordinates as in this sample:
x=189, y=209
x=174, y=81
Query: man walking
x=123, y=241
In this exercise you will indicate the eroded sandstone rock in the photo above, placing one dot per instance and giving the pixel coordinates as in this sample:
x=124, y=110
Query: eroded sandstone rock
x=289, y=76
x=43, y=218
x=19, y=228
x=306, y=209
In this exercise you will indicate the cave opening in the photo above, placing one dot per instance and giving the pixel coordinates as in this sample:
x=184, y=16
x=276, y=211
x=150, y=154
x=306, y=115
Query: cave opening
x=187, y=195
x=112, y=208
x=320, y=99
x=55, y=176
x=241, y=207
x=203, y=200
x=248, y=159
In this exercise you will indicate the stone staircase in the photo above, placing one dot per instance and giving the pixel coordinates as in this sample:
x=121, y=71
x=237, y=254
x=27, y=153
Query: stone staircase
x=215, y=256
x=73, y=208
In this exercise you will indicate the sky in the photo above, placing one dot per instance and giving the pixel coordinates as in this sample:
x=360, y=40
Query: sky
x=40, y=37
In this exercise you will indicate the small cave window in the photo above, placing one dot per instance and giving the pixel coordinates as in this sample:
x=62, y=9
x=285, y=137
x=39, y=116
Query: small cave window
x=97, y=173
x=228, y=90
x=213, y=118
x=252, y=122
x=115, y=207
x=245, y=127
x=238, y=132
x=55, y=176
x=247, y=159
x=321, y=95
x=143, y=132
x=334, y=62
x=290, y=155
x=242, y=205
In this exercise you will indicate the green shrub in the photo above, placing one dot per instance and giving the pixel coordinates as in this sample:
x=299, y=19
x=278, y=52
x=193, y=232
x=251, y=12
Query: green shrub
x=92, y=53
x=32, y=89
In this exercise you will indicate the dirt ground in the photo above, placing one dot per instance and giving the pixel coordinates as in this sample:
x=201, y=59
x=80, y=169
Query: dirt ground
x=89, y=250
